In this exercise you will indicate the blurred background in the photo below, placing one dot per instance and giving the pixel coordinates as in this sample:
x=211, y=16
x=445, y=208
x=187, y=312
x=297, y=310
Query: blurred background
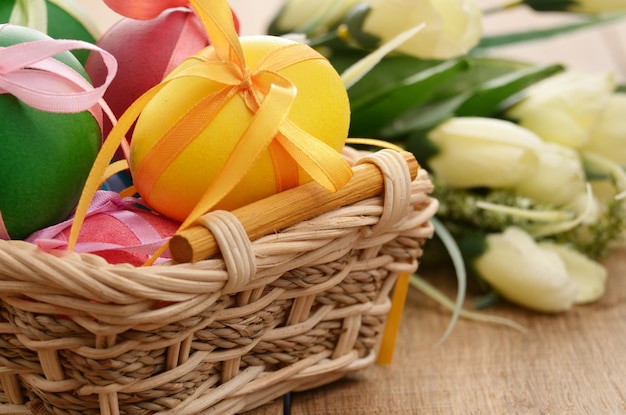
x=593, y=50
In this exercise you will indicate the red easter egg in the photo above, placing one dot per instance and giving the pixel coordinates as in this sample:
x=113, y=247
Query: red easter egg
x=111, y=228
x=119, y=232
x=146, y=51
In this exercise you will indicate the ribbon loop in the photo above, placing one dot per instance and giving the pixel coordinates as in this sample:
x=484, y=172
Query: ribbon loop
x=219, y=24
x=30, y=72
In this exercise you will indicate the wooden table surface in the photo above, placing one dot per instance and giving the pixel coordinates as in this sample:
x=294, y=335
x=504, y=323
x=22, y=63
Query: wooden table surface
x=572, y=363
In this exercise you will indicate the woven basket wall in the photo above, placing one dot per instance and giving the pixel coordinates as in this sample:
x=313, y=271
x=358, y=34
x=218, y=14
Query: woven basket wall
x=289, y=311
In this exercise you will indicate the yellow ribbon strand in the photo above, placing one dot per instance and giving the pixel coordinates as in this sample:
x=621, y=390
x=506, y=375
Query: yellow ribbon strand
x=114, y=168
x=101, y=164
x=286, y=171
x=314, y=156
x=217, y=18
x=374, y=142
x=285, y=57
x=392, y=327
x=222, y=72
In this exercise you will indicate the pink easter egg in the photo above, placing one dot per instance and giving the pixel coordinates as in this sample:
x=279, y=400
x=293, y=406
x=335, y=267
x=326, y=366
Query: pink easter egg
x=146, y=51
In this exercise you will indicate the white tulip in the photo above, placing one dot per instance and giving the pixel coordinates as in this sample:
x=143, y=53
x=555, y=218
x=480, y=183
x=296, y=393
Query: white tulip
x=523, y=273
x=589, y=276
x=559, y=178
x=608, y=137
x=564, y=108
x=540, y=276
x=452, y=27
x=476, y=151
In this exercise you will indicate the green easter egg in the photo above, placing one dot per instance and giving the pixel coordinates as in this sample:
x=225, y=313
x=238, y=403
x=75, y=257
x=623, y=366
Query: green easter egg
x=45, y=158
x=62, y=24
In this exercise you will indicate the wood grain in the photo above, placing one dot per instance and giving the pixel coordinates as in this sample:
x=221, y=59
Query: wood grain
x=572, y=363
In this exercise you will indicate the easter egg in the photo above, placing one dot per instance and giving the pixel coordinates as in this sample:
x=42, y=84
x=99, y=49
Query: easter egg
x=146, y=51
x=124, y=235
x=44, y=157
x=66, y=20
x=320, y=108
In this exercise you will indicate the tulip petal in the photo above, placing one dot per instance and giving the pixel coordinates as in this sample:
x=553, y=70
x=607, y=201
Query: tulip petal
x=608, y=137
x=523, y=273
x=590, y=276
x=559, y=178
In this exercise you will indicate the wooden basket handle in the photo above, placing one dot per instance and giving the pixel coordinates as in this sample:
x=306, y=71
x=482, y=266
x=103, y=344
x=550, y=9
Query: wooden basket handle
x=285, y=209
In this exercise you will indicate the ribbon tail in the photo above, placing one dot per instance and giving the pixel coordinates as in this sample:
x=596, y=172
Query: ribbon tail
x=374, y=142
x=217, y=18
x=103, y=159
x=320, y=161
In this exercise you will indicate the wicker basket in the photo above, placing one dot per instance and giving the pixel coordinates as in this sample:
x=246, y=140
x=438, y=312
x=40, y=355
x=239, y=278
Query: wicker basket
x=289, y=311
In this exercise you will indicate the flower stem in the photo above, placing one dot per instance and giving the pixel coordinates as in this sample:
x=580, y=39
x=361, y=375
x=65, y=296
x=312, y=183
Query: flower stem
x=534, y=215
x=433, y=293
x=459, y=267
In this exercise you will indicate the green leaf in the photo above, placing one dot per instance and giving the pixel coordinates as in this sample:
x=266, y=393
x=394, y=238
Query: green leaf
x=479, y=91
x=472, y=245
x=422, y=148
x=379, y=106
x=418, y=121
x=459, y=268
x=388, y=74
x=480, y=69
x=487, y=97
x=550, y=5
x=507, y=39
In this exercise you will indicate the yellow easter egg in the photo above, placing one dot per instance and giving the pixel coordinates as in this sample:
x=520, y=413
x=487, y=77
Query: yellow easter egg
x=321, y=108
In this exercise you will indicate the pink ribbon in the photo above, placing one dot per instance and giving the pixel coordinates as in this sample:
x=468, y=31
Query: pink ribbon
x=108, y=203
x=29, y=72
x=143, y=9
